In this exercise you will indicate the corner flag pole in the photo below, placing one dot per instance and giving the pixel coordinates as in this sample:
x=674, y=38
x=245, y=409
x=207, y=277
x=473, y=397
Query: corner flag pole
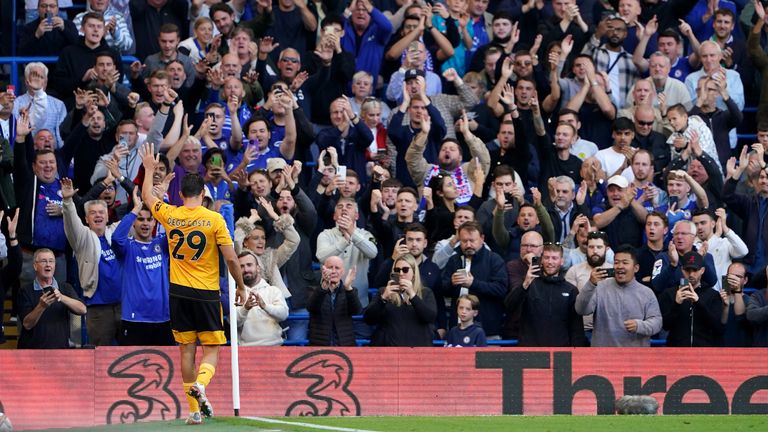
x=234, y=346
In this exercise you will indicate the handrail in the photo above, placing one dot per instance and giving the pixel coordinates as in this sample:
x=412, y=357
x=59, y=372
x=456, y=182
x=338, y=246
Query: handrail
x=14, y=61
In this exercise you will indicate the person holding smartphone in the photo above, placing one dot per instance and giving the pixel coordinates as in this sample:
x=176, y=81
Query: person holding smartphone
x=692, y=310
x=404, y=310
x=548, y=315
x=45, y=305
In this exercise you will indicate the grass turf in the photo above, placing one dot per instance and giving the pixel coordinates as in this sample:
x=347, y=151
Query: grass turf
x=693, y=423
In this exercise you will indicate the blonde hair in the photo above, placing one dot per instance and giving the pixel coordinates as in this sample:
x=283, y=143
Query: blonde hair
x=394, y=298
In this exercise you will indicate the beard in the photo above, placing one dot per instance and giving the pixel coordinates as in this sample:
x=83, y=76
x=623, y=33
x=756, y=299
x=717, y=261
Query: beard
x=595, y=261
x=249, y=279
x=502, y=40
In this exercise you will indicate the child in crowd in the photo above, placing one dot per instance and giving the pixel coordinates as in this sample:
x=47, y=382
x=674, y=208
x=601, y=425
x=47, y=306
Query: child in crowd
x=467, y=333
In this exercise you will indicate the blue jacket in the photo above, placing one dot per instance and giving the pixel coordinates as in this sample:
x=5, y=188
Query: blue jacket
x=370, y=52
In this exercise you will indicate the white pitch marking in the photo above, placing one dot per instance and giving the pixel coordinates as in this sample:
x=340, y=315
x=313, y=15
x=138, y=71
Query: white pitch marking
x=307, y=425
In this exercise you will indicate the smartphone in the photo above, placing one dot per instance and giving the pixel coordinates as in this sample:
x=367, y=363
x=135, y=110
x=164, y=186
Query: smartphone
x=47, y=290
x=536, y=261
x=673, y=200
x=609, y=272
x=10, y=88
x=123, y=141
x=49, y=17
x=394, y=277
x=508, y=197
x=341, y=172
x=684, y=282
x=725, y=286
x=216, y=160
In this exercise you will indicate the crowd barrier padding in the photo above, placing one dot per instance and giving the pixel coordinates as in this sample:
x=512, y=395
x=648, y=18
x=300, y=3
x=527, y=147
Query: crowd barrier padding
x=78, y=388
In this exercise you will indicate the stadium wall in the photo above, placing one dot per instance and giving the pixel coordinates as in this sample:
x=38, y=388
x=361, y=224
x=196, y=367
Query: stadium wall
x=71, y=388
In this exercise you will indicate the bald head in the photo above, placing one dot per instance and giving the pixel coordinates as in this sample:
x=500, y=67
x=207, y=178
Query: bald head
x=332, y=271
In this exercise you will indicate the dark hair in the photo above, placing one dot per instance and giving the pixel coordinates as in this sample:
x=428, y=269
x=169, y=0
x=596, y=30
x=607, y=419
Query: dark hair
x=598, y=235
x=169, y=28
x=671, y=34
x=566, y=111
x=465, y=207
x=213, y=151
x=415, y=227
x=393, y=182
x=42, y=152
x=723, y=11
x=626, y=249
x=622, y=124
x=471, y=226
x=332, y=19
x=254, y=119
x=408, y=189
x=702, y=212
x=176, y=60
x=192, y=185
x=503, y=170
x=659, y=215
x=220, y=7
x=164, y=160
x=502, y=14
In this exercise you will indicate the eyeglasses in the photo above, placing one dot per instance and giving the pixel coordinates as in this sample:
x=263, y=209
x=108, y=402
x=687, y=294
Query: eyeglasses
x=645, y=123
x=110, y=187
x=290, y=59
x=403, y=270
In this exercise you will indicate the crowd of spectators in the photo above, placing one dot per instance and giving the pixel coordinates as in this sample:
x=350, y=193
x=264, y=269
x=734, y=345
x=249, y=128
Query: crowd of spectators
x=562, y=172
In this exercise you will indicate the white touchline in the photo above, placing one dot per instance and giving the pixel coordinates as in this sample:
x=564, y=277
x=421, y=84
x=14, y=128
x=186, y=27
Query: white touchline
x=306, y=425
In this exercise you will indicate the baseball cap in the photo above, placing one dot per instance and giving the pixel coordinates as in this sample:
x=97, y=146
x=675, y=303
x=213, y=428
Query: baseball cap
x=692, y=261
x=274, y=164
x=619, y=181
x=413, y=73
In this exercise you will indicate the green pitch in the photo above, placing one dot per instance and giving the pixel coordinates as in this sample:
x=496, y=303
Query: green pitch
x=692, y=423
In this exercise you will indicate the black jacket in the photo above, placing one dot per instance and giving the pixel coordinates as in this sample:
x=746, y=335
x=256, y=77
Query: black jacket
x=549, y=316
x=490, y=286
x=50, y=44
x=703, y=317
x=407, y=325
x=324, y=318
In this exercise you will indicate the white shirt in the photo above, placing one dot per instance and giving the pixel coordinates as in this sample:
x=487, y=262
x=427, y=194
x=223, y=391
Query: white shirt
x=262, y=326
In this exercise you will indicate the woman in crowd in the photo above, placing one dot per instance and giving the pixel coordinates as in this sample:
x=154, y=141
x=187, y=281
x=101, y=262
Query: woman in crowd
x=404, y=310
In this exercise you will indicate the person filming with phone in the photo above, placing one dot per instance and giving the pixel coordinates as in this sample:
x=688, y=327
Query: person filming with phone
x=692, y=310
x=549, y=317
x=45, y=305
x=405, y=310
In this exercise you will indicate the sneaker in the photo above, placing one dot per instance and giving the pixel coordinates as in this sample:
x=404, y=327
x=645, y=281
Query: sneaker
x=197, y=391
x=194, y=419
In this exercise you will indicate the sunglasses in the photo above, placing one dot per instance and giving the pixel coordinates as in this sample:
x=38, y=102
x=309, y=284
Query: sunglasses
x=403, y=270
x=645, y=123
x=290, y=59
x=595, y=235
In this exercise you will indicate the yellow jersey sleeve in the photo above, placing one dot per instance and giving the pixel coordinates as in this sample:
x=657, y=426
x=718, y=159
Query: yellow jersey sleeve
x=194, y=236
